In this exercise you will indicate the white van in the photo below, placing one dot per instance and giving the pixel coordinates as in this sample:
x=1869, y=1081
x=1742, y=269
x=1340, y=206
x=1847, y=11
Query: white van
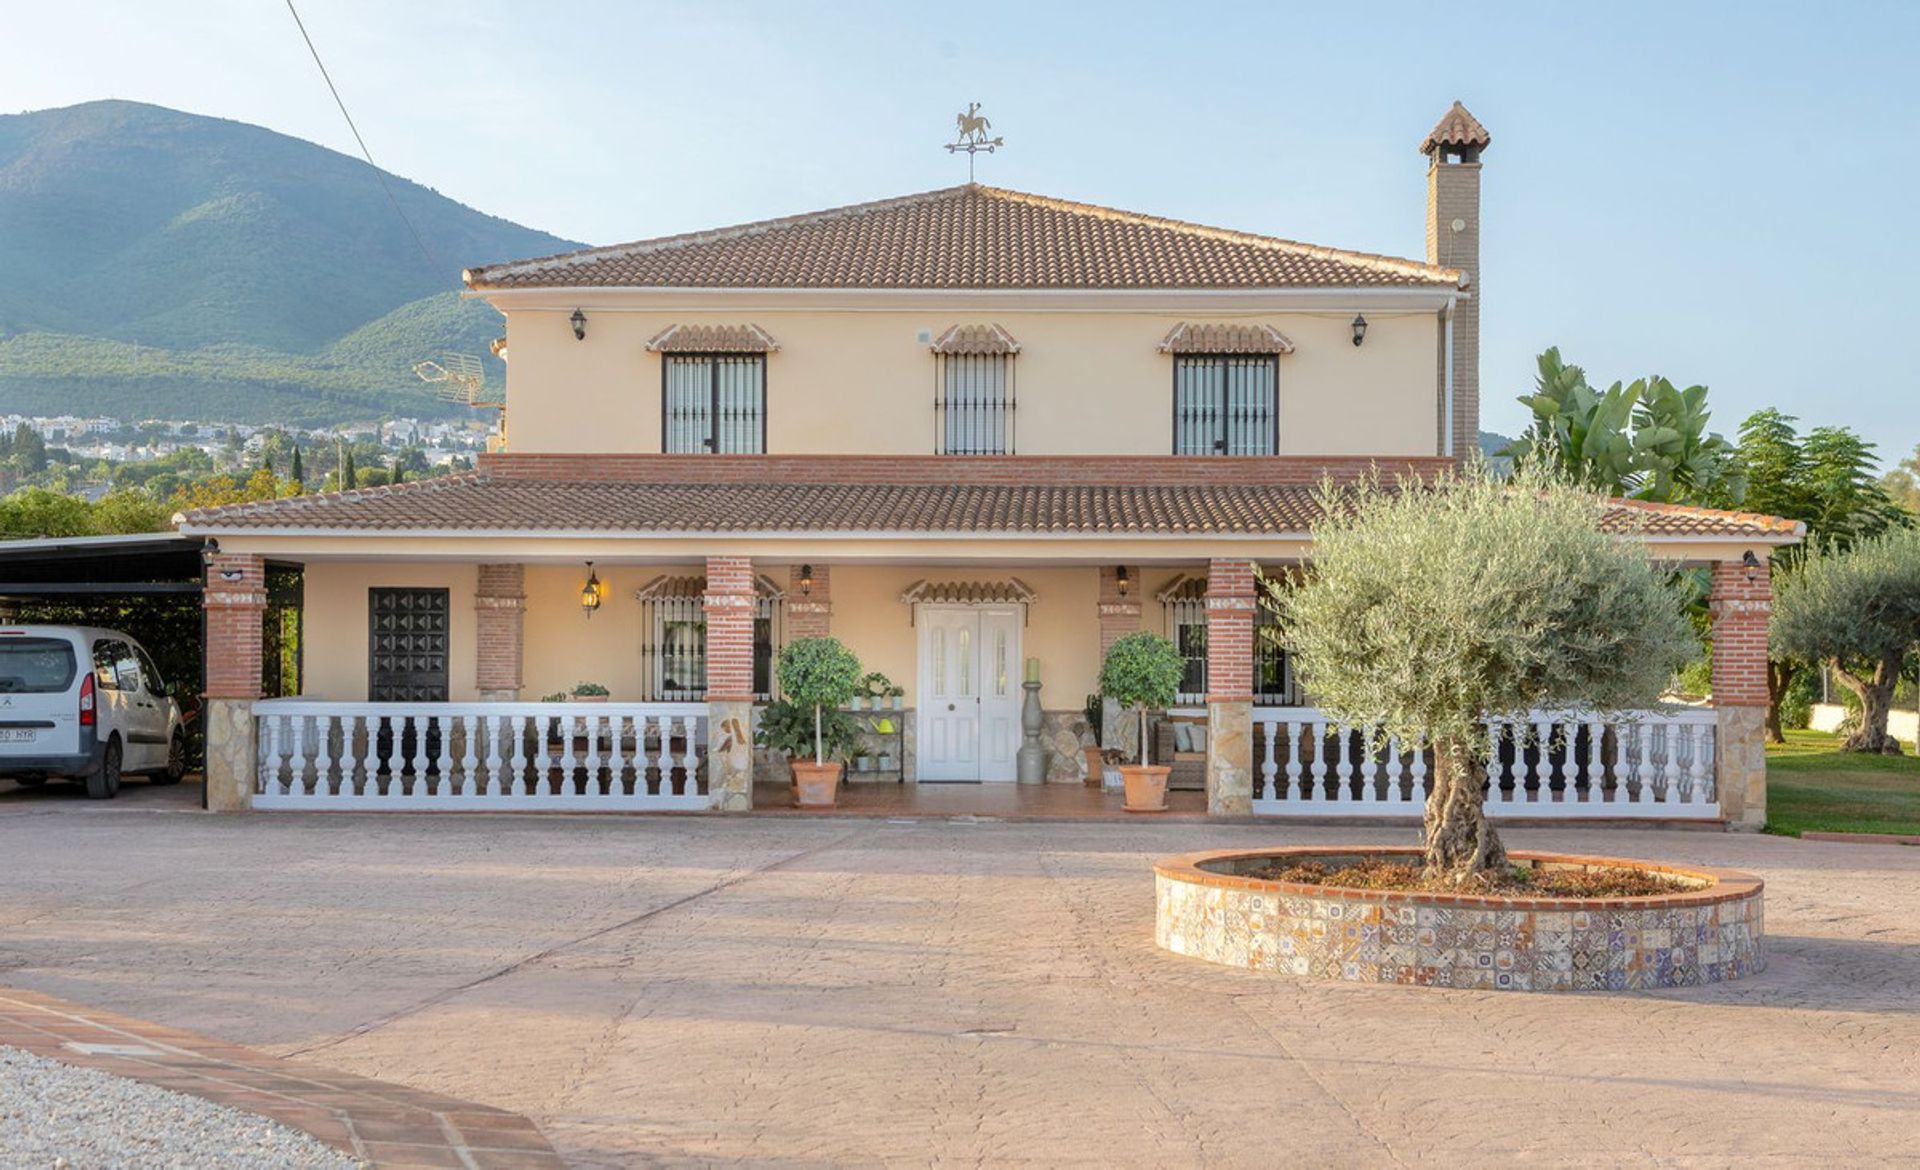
x=85, y=704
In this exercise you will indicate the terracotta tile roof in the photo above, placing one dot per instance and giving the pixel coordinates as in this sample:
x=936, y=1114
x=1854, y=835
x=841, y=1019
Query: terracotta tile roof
x=976, y=339
x=480, y=501
x=713, y=339
x=1187, y=337
x=1457, y=128
x=969, y=237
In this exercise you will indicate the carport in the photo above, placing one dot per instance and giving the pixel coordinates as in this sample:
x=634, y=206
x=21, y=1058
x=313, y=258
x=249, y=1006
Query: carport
x=148, y=585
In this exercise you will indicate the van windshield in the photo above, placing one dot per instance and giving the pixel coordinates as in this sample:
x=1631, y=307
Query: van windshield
x=35, y=666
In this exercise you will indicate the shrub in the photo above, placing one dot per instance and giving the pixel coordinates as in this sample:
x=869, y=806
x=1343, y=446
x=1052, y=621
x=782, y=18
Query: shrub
x=1142, y=670
x=818, y=674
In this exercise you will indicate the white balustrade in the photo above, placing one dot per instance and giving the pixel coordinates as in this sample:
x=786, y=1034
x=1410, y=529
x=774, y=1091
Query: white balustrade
x=475, y=757
x=1547, y=764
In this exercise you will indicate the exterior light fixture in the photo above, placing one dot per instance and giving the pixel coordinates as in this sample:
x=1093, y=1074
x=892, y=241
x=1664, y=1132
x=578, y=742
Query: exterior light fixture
x=1751, y=564
x=806, y=580
x=591, y=592
x=1122, y=580
x=1359, y=328
x=579, y=323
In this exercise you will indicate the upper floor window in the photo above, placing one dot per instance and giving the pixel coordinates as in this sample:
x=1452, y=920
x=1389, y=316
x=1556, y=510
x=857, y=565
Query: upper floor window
x=974, y=397
x=1225, y=404
x=714, y=402
x=713, y=388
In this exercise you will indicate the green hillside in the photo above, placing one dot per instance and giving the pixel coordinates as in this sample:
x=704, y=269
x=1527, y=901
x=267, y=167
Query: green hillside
x=210, y=269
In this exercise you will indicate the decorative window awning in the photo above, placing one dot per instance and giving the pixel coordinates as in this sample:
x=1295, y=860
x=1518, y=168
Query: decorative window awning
x=1183, y=587
x=691, y=588
x=713, y=339
x=1188, y=337
x=1012, y=591
x=976, y=340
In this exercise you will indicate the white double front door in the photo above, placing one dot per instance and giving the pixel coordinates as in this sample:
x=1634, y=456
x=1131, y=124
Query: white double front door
x=969, y=692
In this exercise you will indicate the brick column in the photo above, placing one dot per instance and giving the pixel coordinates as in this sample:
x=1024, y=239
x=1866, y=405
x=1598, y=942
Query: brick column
x=1119, y=616
x=1230, y=621
x=235, y=602
x=729, y=608
x=810, y=615
x=500, y=608
x=1740, y=612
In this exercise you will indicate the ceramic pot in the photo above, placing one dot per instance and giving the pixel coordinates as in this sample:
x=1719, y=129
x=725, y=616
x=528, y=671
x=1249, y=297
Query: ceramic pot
x=816, y=785
x=1146, y=787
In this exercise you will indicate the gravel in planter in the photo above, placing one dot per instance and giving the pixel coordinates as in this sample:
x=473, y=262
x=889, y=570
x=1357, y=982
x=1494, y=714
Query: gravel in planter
x=59, y=1115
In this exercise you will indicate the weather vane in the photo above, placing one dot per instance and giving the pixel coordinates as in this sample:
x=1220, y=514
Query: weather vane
x=973, y=136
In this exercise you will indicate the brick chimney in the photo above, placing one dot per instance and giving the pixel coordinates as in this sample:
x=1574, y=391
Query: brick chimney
x=1453, y=240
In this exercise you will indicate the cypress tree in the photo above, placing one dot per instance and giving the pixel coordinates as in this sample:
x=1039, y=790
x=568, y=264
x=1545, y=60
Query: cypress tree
x=347, y=478
x=297, y=472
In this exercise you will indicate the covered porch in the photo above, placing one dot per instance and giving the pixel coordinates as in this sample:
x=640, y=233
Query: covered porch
x=445, y=624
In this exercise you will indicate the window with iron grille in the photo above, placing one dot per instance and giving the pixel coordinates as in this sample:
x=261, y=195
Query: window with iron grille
x=1225, y=404
x=673, y=653
x=1273, y=683
x=714, y=402
x=974, y=412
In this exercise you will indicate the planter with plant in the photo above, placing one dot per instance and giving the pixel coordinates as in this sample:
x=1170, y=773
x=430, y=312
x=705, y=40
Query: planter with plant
x=1143, y=672
x=1096, y=765
x=590, y=692
x=787, y=728
x=818, y=675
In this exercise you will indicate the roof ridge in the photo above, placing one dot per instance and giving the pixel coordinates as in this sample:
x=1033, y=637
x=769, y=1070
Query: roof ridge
x=481, y=275
x=1767, y=519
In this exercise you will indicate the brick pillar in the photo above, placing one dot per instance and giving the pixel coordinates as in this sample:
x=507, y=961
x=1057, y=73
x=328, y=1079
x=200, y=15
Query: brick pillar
x=1119, y=616
x=235, y=602
x=729, y=608
x=1740, y=612
x=810, y=615
x=1230, y=621
x=500, y=608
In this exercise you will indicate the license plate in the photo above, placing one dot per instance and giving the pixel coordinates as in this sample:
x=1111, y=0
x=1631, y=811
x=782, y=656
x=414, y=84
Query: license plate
x=16, y=734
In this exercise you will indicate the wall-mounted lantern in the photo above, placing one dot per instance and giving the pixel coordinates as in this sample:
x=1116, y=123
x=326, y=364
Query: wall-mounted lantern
x=579, y=323
x=806, y=580
x=1751, y=564
x=1122, y=580
x=591, y=592
x=1359, y=328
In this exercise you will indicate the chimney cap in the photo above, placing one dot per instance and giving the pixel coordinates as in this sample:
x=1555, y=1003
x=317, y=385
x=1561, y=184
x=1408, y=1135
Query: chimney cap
x=1457, y=130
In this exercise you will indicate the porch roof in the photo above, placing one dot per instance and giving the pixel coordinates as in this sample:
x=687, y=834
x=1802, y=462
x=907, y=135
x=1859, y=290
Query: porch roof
x=486, y=503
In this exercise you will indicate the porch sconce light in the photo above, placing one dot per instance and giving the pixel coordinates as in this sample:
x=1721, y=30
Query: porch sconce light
x=1122, y=580
x=806, y=580
x=1751, y=564
x=590, y=593
x=579, y=323
x=1359, y=328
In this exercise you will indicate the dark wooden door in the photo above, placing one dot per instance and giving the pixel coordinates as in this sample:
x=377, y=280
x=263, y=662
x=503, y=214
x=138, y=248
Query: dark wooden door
x=407, y=645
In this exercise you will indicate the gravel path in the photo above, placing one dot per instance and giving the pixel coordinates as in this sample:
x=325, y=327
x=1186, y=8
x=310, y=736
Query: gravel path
x=57, y=1115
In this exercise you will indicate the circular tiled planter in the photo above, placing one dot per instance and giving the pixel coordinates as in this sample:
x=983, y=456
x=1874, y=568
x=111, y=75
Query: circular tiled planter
x=1706, y=933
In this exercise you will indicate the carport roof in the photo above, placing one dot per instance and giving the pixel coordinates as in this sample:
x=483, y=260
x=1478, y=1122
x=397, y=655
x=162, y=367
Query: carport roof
x=145, y=562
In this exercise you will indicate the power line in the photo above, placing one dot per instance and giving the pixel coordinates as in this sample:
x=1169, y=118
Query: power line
x=425, y=251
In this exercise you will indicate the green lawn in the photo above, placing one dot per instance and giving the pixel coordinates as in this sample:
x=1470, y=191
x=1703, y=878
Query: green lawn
x=1813, y=786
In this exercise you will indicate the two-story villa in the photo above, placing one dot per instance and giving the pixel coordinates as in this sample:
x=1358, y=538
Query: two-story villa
x=958, y=430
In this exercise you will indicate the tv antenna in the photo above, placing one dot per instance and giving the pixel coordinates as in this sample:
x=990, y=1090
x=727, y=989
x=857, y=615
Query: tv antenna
x=457, y=377
x=973, y=127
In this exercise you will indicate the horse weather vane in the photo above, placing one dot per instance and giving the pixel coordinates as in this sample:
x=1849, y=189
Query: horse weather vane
x=973, y=136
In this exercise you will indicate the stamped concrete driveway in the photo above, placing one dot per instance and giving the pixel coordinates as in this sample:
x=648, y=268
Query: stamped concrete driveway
x=815, y=992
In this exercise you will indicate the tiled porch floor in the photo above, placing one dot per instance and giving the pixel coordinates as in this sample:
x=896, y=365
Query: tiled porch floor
x=1039, y=802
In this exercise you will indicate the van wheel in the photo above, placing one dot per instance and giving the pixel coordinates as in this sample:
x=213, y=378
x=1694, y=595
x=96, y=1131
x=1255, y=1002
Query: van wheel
x=176, y=762
x=103, y=783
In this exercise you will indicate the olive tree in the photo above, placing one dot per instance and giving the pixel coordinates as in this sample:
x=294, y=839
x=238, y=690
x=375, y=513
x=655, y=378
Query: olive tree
x=1858, y=610
x=1431, y=607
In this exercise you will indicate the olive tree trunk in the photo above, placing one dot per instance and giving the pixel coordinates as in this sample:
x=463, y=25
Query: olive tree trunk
x=1876, y=701
x=1780, y=672
x=1460, y=843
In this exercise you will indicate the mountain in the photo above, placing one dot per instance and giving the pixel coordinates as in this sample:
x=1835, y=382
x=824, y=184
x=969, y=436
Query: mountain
x=206, y=268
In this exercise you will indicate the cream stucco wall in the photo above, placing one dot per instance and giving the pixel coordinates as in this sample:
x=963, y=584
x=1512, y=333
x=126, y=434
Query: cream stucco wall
x=861, y=381
x=334, y=654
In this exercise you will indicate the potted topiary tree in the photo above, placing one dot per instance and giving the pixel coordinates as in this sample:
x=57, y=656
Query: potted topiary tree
x=1143, y=671
x=819, y=675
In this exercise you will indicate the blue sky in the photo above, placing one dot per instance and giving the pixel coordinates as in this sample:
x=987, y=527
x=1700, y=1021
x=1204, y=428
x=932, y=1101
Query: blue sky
x=1723, y=193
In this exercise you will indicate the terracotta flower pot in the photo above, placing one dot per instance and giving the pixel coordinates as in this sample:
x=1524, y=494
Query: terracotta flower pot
x=815, y=785
x=1096, y=766
x=591, y=698
x=1146, y=787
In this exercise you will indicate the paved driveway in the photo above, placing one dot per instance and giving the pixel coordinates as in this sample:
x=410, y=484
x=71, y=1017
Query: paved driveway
x=807, y=992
